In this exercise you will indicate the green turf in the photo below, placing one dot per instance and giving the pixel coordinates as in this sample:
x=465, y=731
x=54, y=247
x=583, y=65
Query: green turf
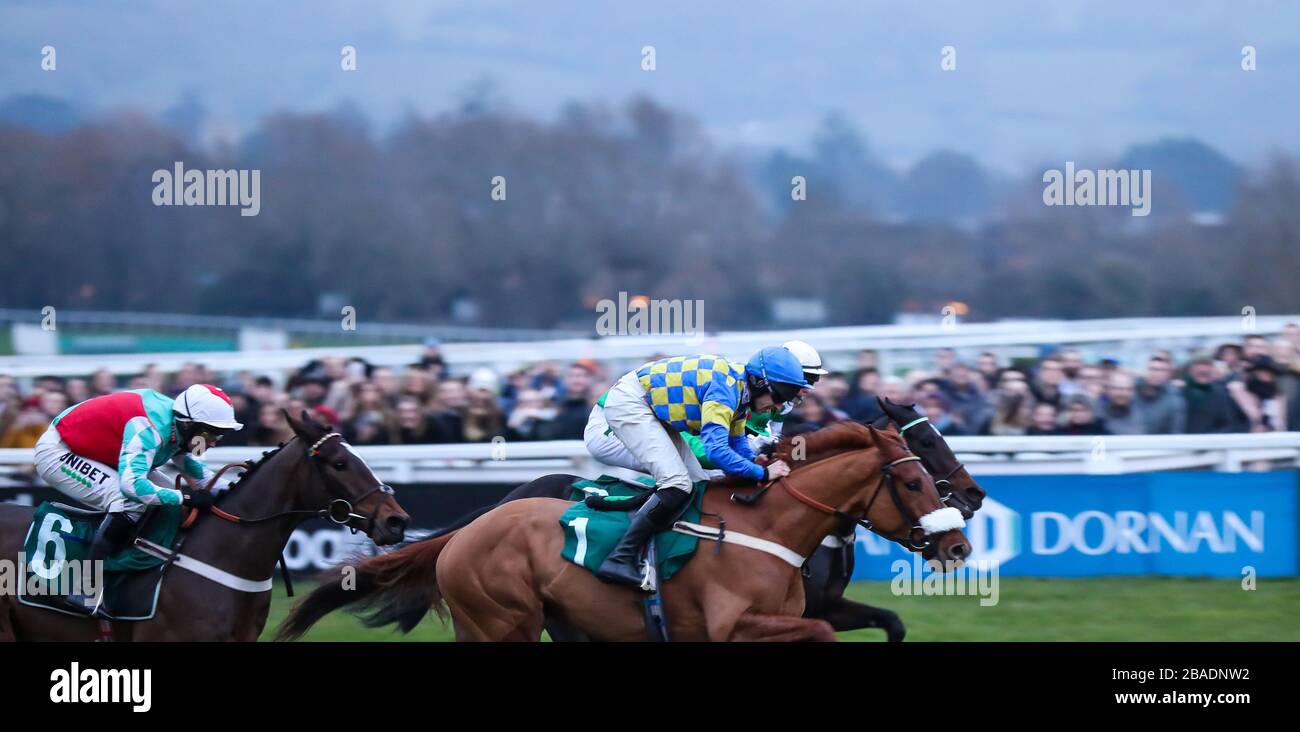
x=1104, y=609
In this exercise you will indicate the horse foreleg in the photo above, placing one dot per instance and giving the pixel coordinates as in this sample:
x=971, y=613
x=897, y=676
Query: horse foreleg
x=780, y=628
x=849, y=615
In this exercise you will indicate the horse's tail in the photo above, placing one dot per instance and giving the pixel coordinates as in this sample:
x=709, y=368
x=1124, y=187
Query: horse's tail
x=399, y=587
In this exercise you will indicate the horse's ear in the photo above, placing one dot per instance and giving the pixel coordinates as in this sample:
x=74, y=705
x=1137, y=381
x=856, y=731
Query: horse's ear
x=889, y=408
x=296, y=425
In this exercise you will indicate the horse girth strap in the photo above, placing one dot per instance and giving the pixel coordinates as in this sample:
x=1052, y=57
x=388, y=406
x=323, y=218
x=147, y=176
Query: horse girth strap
x=708, y=533
x=827, y=509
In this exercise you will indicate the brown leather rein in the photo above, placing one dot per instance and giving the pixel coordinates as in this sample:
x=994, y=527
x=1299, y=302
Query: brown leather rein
x=886, y=478
x=339, y=510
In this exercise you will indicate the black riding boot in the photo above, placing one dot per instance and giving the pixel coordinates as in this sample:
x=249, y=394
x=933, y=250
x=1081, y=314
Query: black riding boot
x=110, y=538
x=623, y=565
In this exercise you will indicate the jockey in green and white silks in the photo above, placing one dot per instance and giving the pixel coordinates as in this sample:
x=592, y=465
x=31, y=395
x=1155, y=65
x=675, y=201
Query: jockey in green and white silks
x=106, y=453
x=650, y=409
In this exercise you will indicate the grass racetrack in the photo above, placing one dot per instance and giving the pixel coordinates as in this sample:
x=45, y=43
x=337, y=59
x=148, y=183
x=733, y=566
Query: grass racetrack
x=1096, y=609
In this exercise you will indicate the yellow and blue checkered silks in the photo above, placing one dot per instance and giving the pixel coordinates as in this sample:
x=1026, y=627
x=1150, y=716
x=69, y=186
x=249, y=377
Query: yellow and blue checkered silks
x=687, y=392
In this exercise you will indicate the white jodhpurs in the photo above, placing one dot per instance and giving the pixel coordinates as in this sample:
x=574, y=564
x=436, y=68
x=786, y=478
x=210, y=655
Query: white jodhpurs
x=656, y=449
x=86, y=481
x=604, y=446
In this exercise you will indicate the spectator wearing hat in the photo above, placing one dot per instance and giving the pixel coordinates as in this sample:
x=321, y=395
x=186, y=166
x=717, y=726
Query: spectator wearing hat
x=1257, y=396
x=484, y=418
x=310, y=384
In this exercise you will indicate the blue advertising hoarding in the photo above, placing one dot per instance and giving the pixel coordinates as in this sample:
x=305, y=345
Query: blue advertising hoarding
x=1185, y=523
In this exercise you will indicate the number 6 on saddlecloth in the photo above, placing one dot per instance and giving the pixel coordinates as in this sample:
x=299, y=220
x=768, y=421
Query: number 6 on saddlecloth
x=52, y=529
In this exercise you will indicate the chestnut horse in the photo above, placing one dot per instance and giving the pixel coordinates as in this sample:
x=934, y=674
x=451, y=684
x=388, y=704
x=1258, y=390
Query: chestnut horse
x=503, y=574
x=314, y=475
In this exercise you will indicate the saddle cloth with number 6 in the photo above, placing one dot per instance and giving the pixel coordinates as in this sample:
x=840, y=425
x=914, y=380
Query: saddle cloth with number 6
x=54, y=555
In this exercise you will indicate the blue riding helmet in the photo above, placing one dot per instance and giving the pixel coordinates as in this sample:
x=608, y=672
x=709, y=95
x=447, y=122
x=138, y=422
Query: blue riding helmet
x=778, y=371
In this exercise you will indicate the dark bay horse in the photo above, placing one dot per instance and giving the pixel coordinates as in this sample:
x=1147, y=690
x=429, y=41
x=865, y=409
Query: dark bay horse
x=502, y=575
x=315, y=474
x=825, y=576
x=955, y=484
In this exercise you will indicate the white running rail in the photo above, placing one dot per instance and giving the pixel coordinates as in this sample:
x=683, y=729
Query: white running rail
x=517, y=462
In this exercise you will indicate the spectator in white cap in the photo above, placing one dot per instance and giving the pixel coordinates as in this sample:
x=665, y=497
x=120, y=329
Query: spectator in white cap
x=484, y=418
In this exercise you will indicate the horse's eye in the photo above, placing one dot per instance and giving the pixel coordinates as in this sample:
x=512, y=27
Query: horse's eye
x=927, y=442
x=339, y=465
x=913, y=485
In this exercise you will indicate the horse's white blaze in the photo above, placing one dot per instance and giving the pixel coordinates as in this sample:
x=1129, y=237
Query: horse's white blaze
x=944, y=519
x=357, y=455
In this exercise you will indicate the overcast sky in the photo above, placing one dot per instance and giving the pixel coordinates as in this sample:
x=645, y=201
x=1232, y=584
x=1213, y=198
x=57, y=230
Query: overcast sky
x=1035, y=80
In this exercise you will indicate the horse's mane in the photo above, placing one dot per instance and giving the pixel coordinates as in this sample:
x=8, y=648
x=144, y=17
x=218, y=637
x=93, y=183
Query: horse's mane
x=252, y=466
x=825, y=442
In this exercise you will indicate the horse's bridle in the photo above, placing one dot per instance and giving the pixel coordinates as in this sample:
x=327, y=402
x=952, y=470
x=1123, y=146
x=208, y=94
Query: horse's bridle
x=945, y=480
x=339, y=510
x=886, y=480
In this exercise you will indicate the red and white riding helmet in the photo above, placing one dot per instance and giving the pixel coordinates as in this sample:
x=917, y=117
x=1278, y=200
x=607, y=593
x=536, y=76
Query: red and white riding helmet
x=208, y=405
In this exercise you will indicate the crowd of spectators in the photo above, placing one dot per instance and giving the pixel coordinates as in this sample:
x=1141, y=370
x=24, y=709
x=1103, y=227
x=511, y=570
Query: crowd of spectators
x=1251, y=386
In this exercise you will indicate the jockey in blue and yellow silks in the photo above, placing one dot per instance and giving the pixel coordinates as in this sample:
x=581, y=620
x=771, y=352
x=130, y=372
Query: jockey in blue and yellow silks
x=649, y=410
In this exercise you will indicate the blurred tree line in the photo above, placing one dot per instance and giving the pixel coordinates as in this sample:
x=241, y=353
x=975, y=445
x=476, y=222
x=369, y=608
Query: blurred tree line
x=634, y=198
